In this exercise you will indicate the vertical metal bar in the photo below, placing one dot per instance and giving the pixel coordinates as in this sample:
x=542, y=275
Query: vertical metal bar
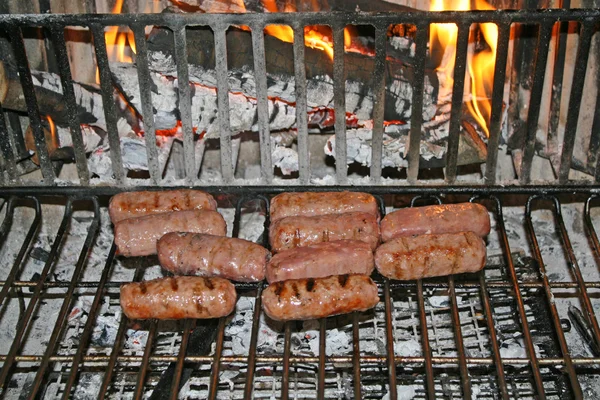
x=10, y=162
x=223, y=101
x=141, y=378
x=108, y=102
x=594, y=149
x=185, y=104
x=89, y=325
x=356, y=356
x=560, y=334
x=430, y=387
x=24, y=322
x=389, y=336
x=187, y=327
x=145, y=83
x=8, y=219
x=66, y=303
x=285, y=380
x=58, y=38
x=301, y=105
x=339, y=100
x=535, y=100
x=322, y=354
x=535, y=368
x=262, y=104
x=460, y=65
x=249, y=387
x=497, y=103
x=583, y=52
x=379, y=103
x=20, y=54
x=216, y=365
x=460, y=346
x=416, y=118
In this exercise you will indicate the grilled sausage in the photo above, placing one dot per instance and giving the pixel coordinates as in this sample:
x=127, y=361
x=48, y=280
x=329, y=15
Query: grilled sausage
x=424, y=256
x=302, y=299
x=138, y=236
x=444, y=218
x=291, y=232
x=321, y=260
x=310, y=204
x=208, y=255
x=178, y=298
x=137, y=204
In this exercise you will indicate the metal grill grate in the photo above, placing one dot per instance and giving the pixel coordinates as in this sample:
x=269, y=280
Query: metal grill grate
x=466, y=349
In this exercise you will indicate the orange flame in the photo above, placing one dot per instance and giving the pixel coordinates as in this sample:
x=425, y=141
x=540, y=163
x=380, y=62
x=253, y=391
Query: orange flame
x=52, y=127
x=480, y=65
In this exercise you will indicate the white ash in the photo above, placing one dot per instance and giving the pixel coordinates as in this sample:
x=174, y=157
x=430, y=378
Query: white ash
x=91, y=139
x=286, y=159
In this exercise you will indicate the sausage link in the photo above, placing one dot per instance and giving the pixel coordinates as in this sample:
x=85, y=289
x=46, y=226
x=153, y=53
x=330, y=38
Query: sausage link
x=138, y=236
x=138, y=204
x=416, y=257
x=310, y=204
x=291, y=232
x=209, y=255
x=444, y=218
x=302, y=299
x=321, y=260
x=178, y=298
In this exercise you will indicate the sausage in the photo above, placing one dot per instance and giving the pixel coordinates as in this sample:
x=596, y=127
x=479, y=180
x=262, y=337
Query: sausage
x=291, y=232
x=178, y=298
x=209, y=255
x=321, y=260
x=444, y=218
x=138, y=236
x=301, y=299
x=416, y=257
x=310, y=204
x=138, y=204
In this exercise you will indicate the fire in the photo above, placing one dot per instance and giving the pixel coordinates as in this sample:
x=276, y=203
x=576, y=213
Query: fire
x=52, y=127
x=480, y=65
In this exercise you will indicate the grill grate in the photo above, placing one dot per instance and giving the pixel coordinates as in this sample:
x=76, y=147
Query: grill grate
x=513, y=340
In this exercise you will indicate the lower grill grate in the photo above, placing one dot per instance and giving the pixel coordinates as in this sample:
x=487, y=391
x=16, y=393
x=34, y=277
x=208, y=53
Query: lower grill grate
x=64, y=335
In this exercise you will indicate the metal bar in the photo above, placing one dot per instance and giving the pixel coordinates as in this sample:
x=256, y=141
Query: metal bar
x=145, y=85
x=285, y=381
x=62, y=58
x=114, y=355
x=185, y=104
x=301, y=104
x=66, y=304
x=35, y=121
x=356, y=356
x=8, y=219
x=560, y=334
x=430, y=387
x=223, y=101
x=249, y=386
x=520, y=304
x=10, y=162
x=108, y=102
x=389, y=336
x=262, y=104
x=583, y=52
x=187, y=327
x=535, y=101
x=339, y=94
x=141, y=378
x=497, y=103
x=24, y=322
x=460, y=66
x=216, y=365
x=322, y=355
x=379, y=103
x=416, y=118
x=89, y=325
x=460, y=346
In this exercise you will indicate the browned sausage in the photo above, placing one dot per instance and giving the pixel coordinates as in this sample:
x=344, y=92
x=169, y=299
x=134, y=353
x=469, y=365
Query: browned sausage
x=309, y=204
x=137, y=204
x=291, y=232
x=138, y=236
x=301, y=299
x=178, y=298
x=209, y=255
x=321, y=260
x=423, y=256
x=445, y=218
